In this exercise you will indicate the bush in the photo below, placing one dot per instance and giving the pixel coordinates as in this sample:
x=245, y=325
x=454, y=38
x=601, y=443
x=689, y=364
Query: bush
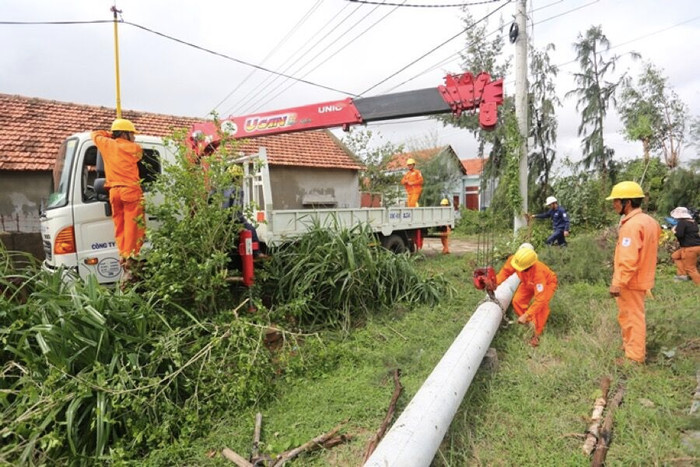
x=335, y=276
x=91, y=374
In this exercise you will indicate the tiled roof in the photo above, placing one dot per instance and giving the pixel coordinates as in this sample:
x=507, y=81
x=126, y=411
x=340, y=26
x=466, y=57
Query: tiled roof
x=31, y=130
x=474, y=166
x=398, y=162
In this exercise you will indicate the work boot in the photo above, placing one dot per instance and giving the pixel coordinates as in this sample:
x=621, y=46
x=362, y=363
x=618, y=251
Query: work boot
x=680, y=278
x=535, y=341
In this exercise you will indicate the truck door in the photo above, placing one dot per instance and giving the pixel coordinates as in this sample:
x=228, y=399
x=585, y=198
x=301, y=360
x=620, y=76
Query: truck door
x=92, y=215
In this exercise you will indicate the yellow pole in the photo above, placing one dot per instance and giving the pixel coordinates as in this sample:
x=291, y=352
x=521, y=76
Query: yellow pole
x=116, y=60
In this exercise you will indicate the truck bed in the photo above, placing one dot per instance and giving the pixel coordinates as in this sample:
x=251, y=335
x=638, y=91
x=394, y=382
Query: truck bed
x=285, y=224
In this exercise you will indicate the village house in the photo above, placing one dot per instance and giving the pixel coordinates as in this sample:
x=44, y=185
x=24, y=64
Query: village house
x=307, y=169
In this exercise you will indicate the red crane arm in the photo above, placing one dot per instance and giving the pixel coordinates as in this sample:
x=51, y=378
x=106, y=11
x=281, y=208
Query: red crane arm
x=458, y=94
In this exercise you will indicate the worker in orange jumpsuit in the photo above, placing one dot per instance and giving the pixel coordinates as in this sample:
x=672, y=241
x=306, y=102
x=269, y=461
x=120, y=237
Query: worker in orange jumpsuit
x=634, y=266
x=412, y=181
x=536, y=289
x=120, y=155
x=445, y=231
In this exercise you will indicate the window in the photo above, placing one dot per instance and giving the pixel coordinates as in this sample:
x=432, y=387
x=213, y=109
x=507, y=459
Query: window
x=149, y=168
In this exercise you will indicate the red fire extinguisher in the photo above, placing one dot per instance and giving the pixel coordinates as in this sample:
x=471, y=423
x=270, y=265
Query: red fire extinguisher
x=245, y=249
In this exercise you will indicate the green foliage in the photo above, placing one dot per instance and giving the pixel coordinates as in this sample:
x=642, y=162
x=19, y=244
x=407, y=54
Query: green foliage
x=543, y=127
x=338, y=276
x=440, y=175
x=507, y=199
x=190, y=252
x=375, y=177
x=651, y=175
x=92, y=374
x=653, y=114
x=595, y=94
x=681, y=187
x=583, y=195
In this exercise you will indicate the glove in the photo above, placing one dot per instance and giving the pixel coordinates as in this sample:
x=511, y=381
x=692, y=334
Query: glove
x=614, y=291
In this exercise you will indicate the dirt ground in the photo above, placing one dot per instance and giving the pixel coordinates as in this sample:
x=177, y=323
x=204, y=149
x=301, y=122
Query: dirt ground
x=432, y=246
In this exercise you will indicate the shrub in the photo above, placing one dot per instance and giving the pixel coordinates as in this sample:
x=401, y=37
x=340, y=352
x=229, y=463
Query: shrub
x=335, y=276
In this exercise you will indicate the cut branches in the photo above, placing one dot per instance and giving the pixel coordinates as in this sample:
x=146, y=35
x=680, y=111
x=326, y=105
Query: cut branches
x=372, y=445
x=605, y=437
x=592, y=434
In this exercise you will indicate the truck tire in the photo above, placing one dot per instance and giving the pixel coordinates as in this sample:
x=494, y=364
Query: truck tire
x=394, y=243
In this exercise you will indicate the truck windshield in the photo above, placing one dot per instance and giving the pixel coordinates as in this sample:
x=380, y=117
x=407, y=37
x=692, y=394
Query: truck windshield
x=61, y=174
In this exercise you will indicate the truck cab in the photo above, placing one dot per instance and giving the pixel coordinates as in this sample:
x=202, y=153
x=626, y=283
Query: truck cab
x=76, y=224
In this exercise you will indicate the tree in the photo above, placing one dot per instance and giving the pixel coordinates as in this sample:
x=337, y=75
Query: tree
x=376, y=176
x=480, y=55
x=594, y=96
x=653, y=114
x=543, y=127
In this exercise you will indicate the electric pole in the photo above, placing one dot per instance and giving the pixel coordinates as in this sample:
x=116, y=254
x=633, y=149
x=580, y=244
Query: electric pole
x=521, y=104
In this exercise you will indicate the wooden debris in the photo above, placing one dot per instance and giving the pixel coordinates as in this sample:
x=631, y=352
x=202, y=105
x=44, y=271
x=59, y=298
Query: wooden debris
x=605, y=437
x=592, y=433
x=237, y=459
x=254, y=453
x=374, y=441
x=318, y=442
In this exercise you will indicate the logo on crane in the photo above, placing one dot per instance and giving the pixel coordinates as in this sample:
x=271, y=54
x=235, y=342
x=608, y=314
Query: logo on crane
x=253, y=124
x=330, y=108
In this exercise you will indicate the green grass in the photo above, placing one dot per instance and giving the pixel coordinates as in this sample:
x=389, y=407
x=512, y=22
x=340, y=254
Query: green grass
x=529, y=412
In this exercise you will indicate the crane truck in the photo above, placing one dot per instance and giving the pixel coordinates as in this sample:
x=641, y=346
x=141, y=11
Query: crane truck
x=76, y=226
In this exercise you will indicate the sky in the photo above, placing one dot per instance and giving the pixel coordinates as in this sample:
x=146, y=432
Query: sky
x=340, y=48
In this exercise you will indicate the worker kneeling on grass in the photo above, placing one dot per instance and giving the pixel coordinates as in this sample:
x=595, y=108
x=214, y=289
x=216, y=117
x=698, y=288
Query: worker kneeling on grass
x=536, y=289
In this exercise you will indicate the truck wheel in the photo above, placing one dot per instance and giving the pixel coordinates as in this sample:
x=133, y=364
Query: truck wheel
x=394, y=243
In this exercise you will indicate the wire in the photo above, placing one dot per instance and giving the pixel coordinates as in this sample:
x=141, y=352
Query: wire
x=21, y=23
x=433, y=49
x=452, y=5
x=270, y=80
x=233, y=59
x=347, y=43
x=289, y=34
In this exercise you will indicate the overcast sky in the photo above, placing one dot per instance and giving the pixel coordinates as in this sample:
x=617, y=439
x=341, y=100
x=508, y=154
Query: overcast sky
x=341, y=48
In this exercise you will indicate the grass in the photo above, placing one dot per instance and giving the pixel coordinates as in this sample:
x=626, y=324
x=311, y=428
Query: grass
x=530, y=412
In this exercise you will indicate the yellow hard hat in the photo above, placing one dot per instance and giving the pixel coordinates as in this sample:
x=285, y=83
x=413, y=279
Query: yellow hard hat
x=410, y=161
x=444, y=202
x=523, y=259
x=122, y=124
x=626, y=190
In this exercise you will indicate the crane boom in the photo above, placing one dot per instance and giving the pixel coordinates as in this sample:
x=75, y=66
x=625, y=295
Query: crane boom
x=460, y=93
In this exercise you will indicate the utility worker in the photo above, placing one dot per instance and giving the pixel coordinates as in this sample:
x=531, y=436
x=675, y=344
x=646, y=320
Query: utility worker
x=120, y=155
x=686, y=257
x=445, y=231
x=560, y=221
x=634, y=266
x=413, y=183
x=536, y=289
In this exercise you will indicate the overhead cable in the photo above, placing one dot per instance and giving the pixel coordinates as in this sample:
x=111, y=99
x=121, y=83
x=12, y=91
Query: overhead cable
x=419, y=5
x=433, y=50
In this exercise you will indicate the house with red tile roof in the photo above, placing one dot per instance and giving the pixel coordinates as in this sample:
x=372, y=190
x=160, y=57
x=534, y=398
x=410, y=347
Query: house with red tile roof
x=459, y=180
x=303, y=166
x=476, y=196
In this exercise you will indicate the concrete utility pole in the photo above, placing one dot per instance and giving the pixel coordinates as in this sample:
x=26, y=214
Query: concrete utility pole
x=521, y=104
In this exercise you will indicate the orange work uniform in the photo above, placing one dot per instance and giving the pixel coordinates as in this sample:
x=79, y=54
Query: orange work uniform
x=634, y=272
x=125, y=195
x=413, y=183
x=445, y=238
x=537, y=285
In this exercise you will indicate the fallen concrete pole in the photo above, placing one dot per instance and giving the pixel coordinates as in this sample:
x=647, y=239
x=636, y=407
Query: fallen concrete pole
x=416, y=435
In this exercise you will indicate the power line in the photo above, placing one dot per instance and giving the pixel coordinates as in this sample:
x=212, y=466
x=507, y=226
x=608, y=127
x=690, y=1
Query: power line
x=411, y=5
x=433, y=49
x=289, y=34
x=270, y=80
x=175, y=39
x=347, y=43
